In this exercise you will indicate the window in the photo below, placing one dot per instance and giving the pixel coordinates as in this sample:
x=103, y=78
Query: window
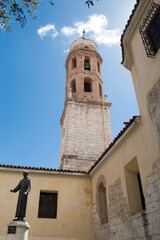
x=154, y=33
x=150, y=30
x=101, y=199
x=100, y=90
x=98, y=67
x=87, y=85
x=47, y=205
x=73, y=86
x=87, y=63
x=74, y=63
x=134, y=187
x=102, y=204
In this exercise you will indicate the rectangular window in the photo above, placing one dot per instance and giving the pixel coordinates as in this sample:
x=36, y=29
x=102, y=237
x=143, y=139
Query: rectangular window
x=154, y=32
x=47, y=205
x=136, y=198
x=150, y=30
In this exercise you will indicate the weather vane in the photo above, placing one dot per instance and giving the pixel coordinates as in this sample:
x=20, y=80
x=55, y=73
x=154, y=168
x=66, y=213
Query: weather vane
x=83, y=34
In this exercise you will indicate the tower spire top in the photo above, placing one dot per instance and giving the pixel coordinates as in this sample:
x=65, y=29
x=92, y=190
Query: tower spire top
x=83, y=34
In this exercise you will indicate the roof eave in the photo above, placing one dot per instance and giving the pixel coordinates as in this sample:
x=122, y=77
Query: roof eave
x=131, y=28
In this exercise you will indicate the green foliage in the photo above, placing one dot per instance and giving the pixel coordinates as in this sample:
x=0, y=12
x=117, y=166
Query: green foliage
x=16, y=10
x=89, y=3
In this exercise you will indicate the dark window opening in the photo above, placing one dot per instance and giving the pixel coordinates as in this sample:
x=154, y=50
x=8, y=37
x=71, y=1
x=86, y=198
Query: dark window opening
x=141, y=192
x=86, y=47
x=87, y=85
x=47, y=205
x=100, y=90
x=73, y=86
x=103, y=204
x=150, y=30
x=87, y=64
x=98, y=67
x=74, y=63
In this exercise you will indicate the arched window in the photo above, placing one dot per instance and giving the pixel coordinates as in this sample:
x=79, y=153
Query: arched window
x=100, y=90
x=74, y=63
x=102, y=200
x=73, y=86
x=87, y=63
x=98, y=67
x=88, y=85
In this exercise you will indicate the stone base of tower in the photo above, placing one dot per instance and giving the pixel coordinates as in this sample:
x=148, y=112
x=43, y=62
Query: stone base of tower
x=86, y=133
x=76, y=164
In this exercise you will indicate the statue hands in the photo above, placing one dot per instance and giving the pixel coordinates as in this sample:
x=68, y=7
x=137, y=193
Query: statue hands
x=25, y=193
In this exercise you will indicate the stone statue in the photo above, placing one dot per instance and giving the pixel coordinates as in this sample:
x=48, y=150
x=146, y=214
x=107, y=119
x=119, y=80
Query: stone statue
x=24, y=188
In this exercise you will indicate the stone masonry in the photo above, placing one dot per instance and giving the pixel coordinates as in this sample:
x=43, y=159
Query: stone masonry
x=143, y=225
x=86, y=133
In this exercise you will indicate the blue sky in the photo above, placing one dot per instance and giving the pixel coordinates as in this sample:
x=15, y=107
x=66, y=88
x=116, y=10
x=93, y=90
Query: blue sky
x=32, y=76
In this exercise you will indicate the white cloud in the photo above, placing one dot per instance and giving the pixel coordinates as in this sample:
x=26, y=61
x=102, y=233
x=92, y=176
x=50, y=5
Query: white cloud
x=48, y=30
x=96, y=27
x=66, y=51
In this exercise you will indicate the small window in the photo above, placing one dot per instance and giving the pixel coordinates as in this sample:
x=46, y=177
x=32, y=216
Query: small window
x=153, y=32
x=103, y=204
x=102, y=199
x=134, y=187
x=47, y=205
x=86, y=47
x=74, y=63
x=150, y=30
x=87, y=63
x=100, y=90
x=73, y=86
x=87, y=85
x=98, y=67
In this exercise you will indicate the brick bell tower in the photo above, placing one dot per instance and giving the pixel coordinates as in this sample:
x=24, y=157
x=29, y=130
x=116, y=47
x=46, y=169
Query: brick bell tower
x=85, y=122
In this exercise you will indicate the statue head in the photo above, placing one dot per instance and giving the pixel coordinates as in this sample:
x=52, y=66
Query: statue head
x=25, y=174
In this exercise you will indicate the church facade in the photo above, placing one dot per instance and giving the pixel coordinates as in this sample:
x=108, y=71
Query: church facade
x=103, y=189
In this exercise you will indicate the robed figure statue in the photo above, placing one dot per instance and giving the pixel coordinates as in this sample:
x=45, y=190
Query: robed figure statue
x=24, y=188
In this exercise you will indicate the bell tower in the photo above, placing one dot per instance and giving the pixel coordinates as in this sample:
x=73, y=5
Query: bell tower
x=85, y=122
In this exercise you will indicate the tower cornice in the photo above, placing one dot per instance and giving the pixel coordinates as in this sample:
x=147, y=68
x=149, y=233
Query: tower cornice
x=83, y=101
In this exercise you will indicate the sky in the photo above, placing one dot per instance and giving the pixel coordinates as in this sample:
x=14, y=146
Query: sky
x=32, y=76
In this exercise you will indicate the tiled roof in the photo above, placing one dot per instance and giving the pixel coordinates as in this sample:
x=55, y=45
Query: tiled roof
x=41, y=169
x=127, y=125
x=128, y=22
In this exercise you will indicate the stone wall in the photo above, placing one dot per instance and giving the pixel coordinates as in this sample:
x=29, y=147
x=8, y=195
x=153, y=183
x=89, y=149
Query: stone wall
x=153, y=202
x=86, y=135
x=143, y=225
x=154, y=107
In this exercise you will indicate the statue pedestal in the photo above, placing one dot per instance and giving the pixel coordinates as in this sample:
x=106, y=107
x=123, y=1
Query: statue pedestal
x=18, y=230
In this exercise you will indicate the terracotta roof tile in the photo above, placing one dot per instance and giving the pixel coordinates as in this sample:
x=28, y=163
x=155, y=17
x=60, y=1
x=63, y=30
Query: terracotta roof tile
x=41, y=169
